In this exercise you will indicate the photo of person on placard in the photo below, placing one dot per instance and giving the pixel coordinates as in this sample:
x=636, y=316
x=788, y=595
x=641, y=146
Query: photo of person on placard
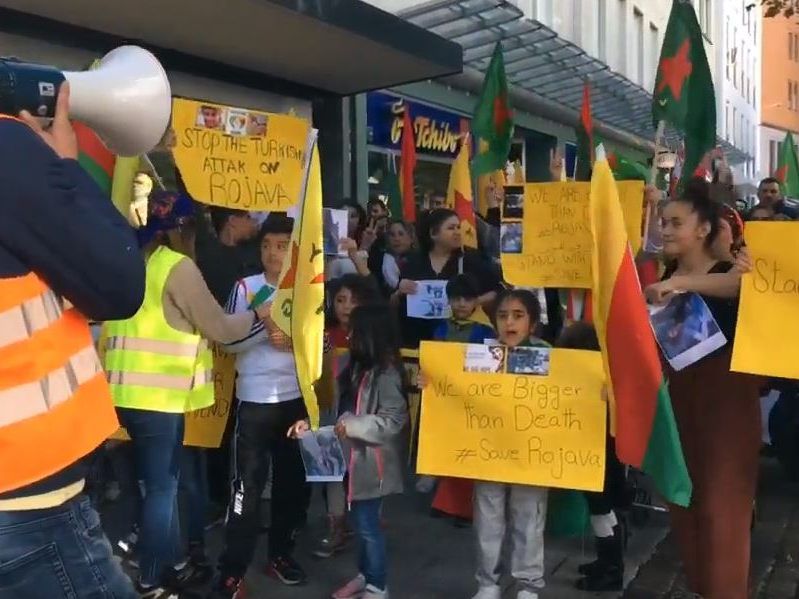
x=210, y=117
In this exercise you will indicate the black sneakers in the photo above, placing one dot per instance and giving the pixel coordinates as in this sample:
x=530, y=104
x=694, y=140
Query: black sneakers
x=286, y=570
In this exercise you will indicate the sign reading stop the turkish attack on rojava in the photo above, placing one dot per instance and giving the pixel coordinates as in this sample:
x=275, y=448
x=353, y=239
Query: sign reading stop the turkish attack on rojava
x=545, y=238
x=239, y=158
x=205, y=428
x=518, y=415
x=768, y=327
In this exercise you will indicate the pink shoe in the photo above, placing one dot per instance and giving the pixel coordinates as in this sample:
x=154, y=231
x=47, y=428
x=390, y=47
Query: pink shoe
x=354, y=589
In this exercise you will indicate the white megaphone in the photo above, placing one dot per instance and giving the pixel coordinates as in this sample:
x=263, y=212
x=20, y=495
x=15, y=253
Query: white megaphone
x=126, y=99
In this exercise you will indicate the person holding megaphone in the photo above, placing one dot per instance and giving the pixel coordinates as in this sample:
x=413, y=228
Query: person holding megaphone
x=66, y=254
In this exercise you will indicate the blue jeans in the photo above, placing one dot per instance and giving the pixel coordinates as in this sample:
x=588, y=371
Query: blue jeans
x=365, y=516
x=59, y=553
x=194, y=482
x=157, y=444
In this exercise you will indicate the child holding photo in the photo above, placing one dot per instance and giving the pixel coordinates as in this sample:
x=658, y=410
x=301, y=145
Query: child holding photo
x=454, y=495
x=374, y=414
x=511, y=510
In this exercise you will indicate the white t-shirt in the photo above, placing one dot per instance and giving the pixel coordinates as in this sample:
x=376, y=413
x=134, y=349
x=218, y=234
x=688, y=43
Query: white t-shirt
x=264, y=373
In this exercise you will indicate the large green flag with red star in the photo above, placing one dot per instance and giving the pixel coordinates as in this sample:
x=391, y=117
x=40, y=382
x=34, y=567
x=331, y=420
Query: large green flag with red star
x=683, y=95
x=492, y=125
x=788, y=168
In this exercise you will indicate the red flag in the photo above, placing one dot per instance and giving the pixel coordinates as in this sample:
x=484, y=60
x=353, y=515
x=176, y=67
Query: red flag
x=407, y=166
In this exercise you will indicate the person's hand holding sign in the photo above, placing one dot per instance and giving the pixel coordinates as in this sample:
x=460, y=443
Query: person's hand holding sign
x=660, y=293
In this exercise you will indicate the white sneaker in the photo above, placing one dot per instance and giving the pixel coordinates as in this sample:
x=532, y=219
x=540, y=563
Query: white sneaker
x=373, y=592
x=526, y=594
x=488, y=593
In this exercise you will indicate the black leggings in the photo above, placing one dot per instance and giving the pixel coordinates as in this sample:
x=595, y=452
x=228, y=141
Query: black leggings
x=613, y=495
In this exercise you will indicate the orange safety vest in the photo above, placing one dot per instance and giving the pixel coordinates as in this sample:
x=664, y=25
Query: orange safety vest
x=55, y=405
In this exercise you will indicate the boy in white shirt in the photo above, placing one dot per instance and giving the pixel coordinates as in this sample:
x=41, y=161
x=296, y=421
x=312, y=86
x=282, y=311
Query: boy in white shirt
x=269, y=404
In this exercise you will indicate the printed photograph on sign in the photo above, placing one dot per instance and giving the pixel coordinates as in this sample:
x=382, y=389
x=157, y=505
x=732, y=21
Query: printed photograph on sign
x=484, y=358
x=430, y=301
x=236, y=122
x=529, y=360
x=211, y=117
x=510, y=238
x=686, y=330
x=513, y=204
x=322, y=455
x=334, y=225
x=256, y=124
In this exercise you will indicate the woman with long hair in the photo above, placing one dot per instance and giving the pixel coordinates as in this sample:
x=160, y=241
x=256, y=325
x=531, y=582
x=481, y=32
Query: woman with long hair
x=717, y=411
x=441, y=256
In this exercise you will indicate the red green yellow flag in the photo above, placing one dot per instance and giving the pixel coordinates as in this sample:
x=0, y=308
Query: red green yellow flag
x=459, y=194
x=788, y=168
x=298, y=305
x=641, y=414
x=585, y=138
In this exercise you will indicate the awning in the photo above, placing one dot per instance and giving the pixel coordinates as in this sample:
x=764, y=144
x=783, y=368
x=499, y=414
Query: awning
x=542, y=63
x=339, y=47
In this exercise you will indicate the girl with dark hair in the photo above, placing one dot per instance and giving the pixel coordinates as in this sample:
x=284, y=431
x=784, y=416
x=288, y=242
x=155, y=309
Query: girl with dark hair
x=345, y=295
x=717, y=411
x=356, y=221
x=373, y=415
x=504, y=511
x=441, y=257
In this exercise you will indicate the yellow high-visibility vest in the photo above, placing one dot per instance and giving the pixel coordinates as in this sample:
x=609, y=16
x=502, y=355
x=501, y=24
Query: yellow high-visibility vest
x=149, y=364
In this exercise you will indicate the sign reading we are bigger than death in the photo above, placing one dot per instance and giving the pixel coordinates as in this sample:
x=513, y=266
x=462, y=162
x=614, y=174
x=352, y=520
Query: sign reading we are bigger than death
x=237, y=158
x=546, y=429
x=545, y=238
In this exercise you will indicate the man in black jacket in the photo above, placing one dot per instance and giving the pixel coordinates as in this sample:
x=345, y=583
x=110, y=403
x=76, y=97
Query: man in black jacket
x=57, y=227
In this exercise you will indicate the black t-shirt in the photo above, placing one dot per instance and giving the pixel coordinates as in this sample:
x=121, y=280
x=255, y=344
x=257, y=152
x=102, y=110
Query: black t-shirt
x=222, y=265
x=418, y=268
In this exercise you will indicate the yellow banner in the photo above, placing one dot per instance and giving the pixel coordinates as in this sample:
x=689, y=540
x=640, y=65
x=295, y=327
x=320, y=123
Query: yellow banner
x=768, y=325
x=239, y=158
x=546, y=430
x=545, y=238
x=205, y=428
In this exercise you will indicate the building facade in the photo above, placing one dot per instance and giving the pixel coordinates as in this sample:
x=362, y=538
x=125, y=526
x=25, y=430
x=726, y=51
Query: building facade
x=779, y=92
x=736, y=77
x=621, y=40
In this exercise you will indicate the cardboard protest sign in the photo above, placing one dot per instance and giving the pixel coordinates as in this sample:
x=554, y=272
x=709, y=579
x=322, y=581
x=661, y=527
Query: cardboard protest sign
x=205, y=428
x=545, y=237
x=515, y=426
x=768, y=326
x=239, y=158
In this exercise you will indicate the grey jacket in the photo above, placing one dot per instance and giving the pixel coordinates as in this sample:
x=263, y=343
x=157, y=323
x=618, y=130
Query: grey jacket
x=375, y=439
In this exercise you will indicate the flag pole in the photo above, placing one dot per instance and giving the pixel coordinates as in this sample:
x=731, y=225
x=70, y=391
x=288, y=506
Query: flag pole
x=653, y=172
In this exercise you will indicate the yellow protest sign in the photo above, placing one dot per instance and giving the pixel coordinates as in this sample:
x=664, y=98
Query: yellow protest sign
x=508, y=426
x=239, y=158
x=768, y=325
x=545, y=238
x=205, y=428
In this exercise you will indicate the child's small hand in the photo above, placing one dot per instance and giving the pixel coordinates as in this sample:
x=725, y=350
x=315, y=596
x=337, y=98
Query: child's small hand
x=422, y=380
x=297, y=429
x=341, y=429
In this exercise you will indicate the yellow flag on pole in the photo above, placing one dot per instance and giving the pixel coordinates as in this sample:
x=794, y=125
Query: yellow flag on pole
x=459, y=194
x=298, y=307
